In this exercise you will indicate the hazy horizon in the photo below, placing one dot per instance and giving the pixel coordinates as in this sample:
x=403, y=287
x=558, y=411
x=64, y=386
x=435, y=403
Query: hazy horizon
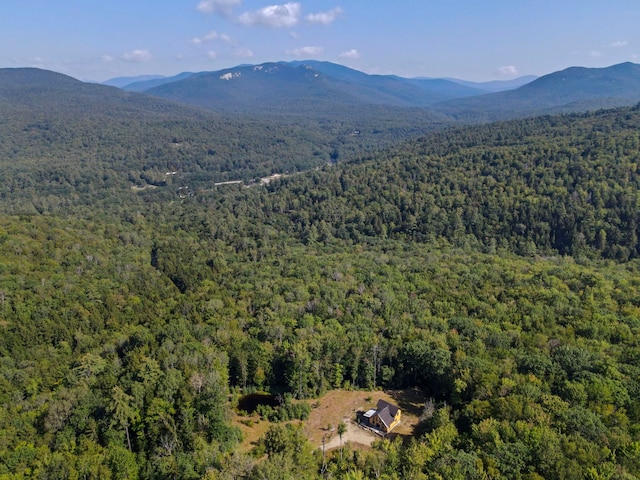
x=498, y=40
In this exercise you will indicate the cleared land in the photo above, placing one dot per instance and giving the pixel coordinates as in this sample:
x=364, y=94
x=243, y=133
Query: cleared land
x=343, y=405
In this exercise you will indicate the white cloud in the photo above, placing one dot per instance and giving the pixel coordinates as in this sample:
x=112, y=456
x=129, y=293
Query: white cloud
x=276, y=16
x=325, y=18
x=243, y=53
x=508, y=71
x=619, y=44
x=212, y=55
x=137, y=56
x=305, y=51
x=595, y=53
x=350, y=54
x=107, y=58
x=221, y=7
x=211, y=37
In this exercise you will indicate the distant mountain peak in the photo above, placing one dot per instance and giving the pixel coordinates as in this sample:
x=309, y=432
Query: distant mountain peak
x=304, y=86
x=122, y=82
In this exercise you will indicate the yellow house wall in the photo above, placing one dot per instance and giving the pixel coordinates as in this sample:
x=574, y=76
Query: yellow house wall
x=395, y=422
x=378, y=423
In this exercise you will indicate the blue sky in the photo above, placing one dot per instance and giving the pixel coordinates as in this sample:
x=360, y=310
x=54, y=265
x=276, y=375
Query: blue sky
x=469, y=39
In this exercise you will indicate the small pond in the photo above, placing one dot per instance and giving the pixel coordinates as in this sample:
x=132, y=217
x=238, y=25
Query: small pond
x=249, y=403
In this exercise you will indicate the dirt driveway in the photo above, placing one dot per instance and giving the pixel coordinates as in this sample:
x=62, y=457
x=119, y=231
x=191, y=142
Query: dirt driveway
x=354, y=434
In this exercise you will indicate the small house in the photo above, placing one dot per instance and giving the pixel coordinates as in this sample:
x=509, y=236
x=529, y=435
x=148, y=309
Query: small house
x=385, y=417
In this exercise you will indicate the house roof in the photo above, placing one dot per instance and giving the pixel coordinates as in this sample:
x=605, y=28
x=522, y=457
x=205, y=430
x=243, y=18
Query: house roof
x=393, y=409
x=386, y=412
x=385, y=417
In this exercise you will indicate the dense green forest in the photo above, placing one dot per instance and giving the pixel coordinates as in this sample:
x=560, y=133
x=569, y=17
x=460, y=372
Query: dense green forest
x=492, y=267
x=566, y=185
x=54, y=161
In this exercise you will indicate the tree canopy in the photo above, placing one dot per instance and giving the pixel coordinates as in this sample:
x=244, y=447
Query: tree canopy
x=495, y=268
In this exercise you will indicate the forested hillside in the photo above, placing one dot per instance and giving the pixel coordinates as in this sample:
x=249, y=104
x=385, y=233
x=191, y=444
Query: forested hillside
x=494, y=269
x=574, y=89
x=566, y=185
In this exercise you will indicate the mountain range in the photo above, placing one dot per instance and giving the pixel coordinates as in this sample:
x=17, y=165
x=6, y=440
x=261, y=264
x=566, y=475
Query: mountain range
x=314, y=87
x=317, y=89
x=303, y=85
x=340, y=72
